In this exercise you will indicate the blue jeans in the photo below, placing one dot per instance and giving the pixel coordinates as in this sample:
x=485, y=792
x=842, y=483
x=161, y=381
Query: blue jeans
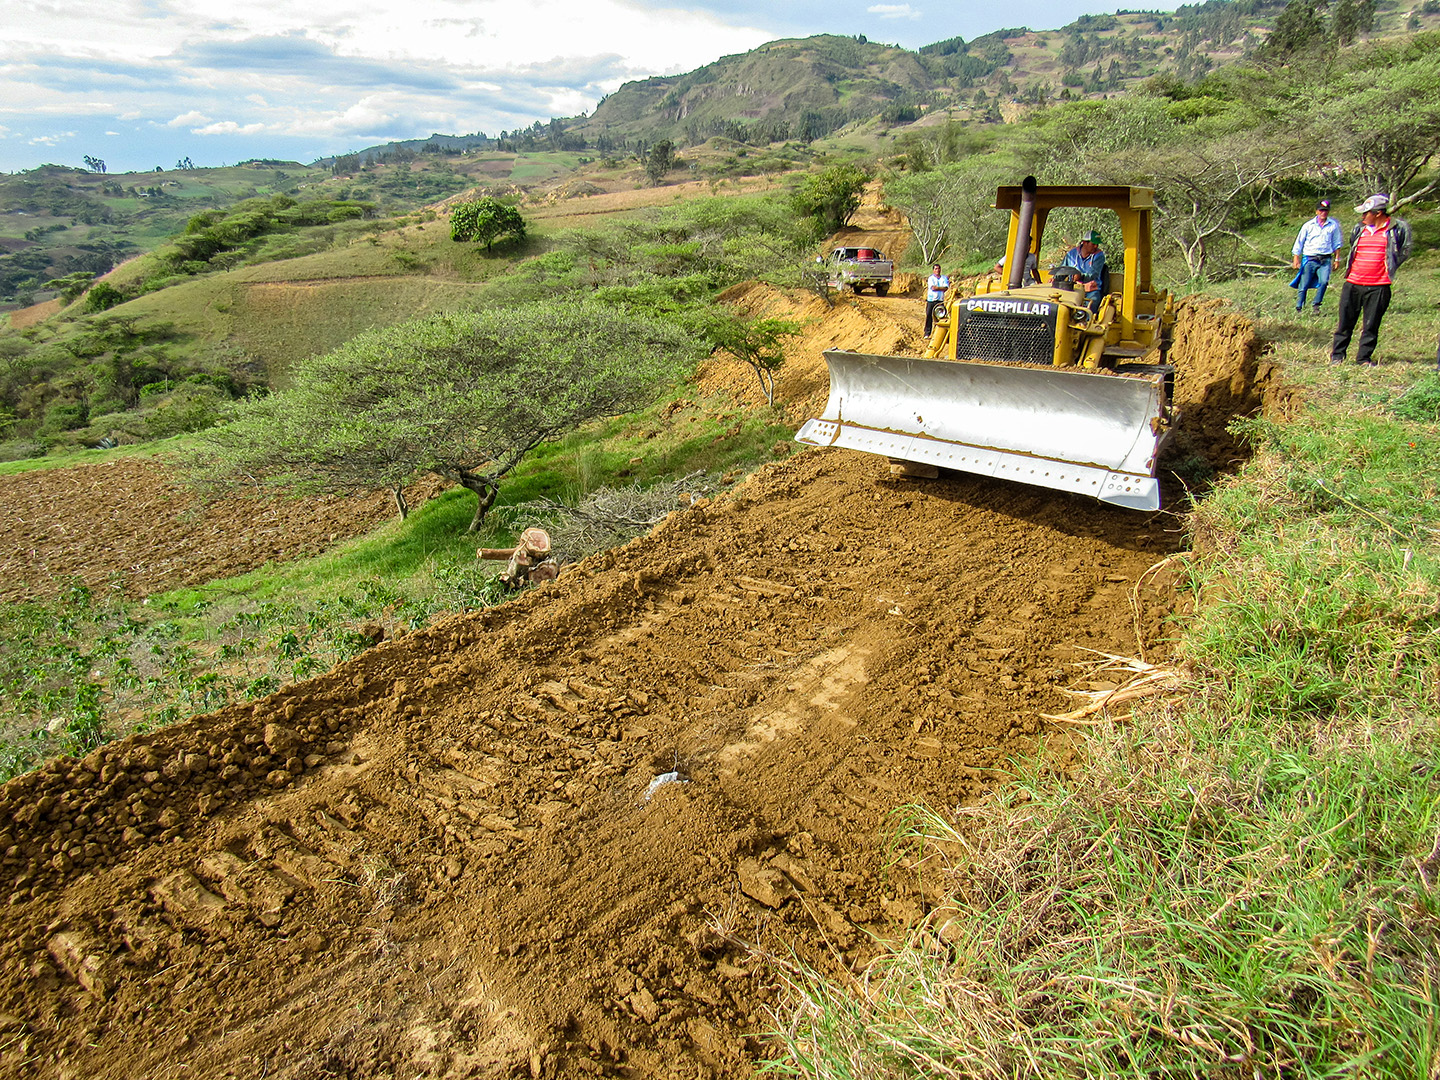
x=1314, y=273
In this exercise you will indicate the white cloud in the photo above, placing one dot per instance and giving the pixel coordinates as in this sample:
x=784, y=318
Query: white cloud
x=894, y=11
x=52, y=140
x=228, y=127
x=112, y=133
x=188, y=120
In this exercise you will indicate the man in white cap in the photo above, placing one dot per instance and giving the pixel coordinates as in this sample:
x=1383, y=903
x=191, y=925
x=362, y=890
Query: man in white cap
x=1378, y=245
x=1316, y=252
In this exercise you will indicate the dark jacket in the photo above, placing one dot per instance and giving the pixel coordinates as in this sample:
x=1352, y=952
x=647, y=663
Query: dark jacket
x=1397, y=245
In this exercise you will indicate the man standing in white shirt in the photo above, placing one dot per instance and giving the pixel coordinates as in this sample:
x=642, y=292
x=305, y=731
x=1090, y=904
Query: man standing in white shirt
x=1316, y=252
x=934, y=295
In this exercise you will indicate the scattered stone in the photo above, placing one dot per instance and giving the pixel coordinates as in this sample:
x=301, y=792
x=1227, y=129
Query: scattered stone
x=763, y=883
x=182, y=894
x=79, y=958
x=282, y=741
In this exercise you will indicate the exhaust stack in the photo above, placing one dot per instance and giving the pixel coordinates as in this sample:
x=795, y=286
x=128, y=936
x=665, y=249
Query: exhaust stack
x=1028, y=188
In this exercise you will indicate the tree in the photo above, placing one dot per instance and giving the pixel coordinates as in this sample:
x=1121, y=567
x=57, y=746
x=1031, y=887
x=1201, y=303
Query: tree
x=1345, y=21
x=660, y=160
x=832, y=196
x=183, y=163
x=103, y=296
x=95, y=164
x=1300, y=32
x=485, y=221
x=756, y=342
x=71, y=285
x=463, y=396
x=1383, y=111
x=1201, y=186
x=930, y=204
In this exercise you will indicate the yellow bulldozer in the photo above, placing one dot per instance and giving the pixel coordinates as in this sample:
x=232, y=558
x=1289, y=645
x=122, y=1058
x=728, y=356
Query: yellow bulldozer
x=1028, y=383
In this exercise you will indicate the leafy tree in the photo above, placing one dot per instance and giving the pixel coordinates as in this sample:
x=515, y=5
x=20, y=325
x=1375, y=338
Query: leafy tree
x=660, y=160
x=485, y=221
x=71, y=286
x=1345, y=21
x=183, y=163
x=1384, y=112
x=930, y=205
x=94, y=164
x=103, y=297
x=1300, y=32
x=831, y=197
x=462, y=396
x=756, y=342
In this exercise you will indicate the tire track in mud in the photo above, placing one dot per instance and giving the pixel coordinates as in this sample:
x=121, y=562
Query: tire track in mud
x=439, y=858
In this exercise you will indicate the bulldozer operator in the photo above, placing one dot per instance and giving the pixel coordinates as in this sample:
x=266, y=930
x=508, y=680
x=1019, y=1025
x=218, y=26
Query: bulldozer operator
x=1088, y=262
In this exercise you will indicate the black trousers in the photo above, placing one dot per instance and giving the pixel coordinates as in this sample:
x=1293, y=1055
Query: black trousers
x=1365, y=304
x=931, y=306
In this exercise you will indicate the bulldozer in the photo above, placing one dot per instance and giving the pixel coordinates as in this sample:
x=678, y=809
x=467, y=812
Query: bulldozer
x=1029, y=383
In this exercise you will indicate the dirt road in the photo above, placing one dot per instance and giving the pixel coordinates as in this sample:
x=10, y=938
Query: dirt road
x=558, y=838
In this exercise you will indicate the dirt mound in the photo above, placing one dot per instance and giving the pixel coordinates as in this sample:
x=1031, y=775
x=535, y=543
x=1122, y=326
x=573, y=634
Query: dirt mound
x=555, y=838
x=131, y=522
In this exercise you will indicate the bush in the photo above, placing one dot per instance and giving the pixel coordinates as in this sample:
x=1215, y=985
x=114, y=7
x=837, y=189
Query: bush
x=103, y=297
x=63, y=416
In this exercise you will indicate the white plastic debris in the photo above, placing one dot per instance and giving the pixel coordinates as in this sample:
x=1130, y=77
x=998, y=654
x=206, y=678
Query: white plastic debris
x=661, y=780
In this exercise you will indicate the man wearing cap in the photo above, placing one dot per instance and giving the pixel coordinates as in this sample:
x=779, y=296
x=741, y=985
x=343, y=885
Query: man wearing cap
x=1316, y=252
x=1087, y=258
x=1378, y=245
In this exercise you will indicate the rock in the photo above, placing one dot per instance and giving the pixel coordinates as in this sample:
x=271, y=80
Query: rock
x=281, y=740
x=78, y=958
x=182, y=894
x=763, y=883
x=642, y=1004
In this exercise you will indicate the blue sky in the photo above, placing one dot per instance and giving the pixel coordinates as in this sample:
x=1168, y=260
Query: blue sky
x=140, y=83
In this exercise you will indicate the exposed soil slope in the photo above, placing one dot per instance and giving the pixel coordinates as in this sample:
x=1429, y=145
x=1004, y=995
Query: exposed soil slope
x=445, y=857
x=132, y=523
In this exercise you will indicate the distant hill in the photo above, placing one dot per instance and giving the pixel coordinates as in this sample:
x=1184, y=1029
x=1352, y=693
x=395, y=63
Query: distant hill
x=803, y=89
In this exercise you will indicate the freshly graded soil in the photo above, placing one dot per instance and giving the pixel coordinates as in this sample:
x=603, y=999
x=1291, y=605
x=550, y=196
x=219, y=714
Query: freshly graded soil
x=582, y=834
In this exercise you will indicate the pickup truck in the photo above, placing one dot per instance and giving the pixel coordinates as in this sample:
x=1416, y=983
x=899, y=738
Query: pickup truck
x=851, y=269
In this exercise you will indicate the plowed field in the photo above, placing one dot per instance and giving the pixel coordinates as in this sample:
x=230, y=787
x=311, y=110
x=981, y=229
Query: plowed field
x=559, y=838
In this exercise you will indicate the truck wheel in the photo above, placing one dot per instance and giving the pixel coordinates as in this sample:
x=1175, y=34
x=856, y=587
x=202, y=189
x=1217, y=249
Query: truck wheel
x=882, y=290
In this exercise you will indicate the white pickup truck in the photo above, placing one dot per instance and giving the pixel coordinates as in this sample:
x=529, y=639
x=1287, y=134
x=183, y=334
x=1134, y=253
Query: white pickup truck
x=851, y=269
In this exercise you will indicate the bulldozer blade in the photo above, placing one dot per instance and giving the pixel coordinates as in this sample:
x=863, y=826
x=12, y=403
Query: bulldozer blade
x=1088, y=432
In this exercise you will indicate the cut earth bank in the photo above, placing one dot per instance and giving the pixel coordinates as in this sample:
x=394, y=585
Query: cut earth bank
x=439, y=859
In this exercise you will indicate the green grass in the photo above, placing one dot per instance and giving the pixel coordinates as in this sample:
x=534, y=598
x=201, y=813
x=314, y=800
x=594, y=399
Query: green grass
x=1240, y=880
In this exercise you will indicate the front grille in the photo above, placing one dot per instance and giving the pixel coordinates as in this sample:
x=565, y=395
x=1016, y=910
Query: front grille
x=984, y=335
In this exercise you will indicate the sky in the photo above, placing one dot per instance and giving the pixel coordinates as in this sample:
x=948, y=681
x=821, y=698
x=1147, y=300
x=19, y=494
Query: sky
x=145, y=83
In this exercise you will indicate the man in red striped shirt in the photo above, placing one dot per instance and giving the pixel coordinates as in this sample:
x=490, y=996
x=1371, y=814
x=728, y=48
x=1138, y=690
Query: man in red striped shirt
x=1378, y=245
